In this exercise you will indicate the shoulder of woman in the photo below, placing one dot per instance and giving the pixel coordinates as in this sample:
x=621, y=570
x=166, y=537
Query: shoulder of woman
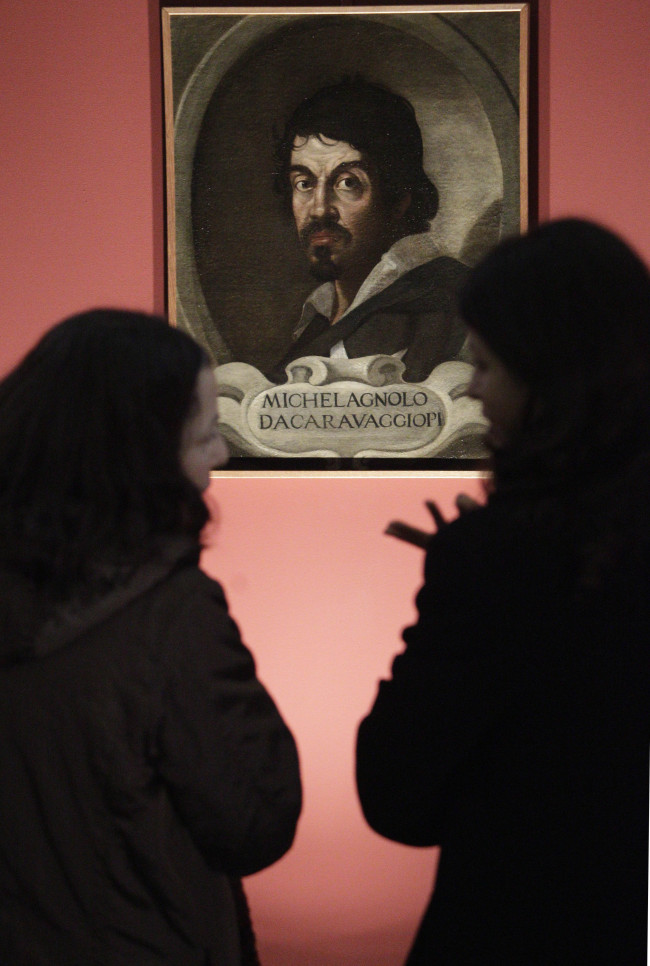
x=193, y=615
x=191, y=598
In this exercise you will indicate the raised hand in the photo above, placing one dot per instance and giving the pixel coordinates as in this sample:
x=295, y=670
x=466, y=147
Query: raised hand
x=421, y=538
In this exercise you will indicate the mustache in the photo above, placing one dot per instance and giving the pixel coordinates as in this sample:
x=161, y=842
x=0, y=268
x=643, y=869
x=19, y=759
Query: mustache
x=323, y=224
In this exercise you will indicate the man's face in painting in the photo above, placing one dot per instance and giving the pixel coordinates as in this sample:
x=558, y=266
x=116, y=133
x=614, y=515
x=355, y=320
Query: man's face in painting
x=342, y=222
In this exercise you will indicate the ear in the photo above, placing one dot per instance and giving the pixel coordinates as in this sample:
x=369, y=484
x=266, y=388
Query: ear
x=400, y=207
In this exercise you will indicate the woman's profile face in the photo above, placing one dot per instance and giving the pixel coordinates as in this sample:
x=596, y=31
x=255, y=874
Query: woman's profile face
x=503, y=395
x=203, y=448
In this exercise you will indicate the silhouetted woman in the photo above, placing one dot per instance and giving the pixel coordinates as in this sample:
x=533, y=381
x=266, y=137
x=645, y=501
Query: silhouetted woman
x=514, y=730
x=143, y=767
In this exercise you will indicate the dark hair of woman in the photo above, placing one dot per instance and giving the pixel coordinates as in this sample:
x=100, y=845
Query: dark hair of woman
x=567, y=309
x=90, y=431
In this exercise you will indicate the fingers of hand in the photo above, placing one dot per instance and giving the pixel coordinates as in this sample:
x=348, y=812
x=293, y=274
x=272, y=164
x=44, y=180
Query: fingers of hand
x=438, y=518
x=419, y=538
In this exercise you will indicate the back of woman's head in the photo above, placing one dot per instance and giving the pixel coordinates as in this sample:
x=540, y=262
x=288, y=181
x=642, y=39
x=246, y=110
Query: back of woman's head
x=90, y=429
x=567, y=309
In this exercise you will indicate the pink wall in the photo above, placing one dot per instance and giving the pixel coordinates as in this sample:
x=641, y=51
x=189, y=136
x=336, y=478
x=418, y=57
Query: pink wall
x=320, y=594
x=598, y=103
x=80, y=189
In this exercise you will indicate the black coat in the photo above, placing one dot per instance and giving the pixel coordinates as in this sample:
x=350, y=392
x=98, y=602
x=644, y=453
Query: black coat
x=143, y=769
x=514, y=734
x=417, y=312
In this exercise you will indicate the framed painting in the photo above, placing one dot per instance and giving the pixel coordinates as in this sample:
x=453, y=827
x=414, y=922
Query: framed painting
x=332, y=176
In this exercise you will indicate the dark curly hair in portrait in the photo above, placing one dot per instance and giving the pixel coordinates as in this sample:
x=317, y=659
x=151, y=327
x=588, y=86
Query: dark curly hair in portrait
x=381, y=125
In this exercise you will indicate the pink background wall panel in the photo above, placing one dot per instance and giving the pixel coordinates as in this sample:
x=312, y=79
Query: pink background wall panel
x=320, y=594
x=80, y=201
x=599, y=104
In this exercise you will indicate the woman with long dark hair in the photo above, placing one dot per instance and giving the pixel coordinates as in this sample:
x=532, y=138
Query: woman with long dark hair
x=514, y=730
x=143, y=767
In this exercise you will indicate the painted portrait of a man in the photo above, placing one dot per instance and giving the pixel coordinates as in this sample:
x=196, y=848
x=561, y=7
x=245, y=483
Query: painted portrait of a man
x=333, y=176
x=349, y=165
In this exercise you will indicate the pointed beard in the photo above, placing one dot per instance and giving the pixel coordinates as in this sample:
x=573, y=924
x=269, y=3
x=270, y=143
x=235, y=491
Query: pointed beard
x=321, y=265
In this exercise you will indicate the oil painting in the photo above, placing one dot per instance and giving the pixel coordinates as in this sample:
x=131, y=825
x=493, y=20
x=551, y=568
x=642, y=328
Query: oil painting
x=332, y=176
